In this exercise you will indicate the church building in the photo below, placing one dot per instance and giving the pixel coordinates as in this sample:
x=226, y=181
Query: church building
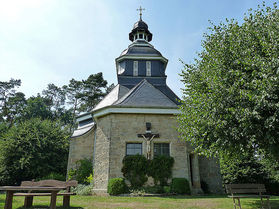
x=139, y=117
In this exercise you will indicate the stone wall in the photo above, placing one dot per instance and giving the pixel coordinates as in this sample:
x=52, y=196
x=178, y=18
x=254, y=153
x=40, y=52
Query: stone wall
x=124, y=129
x=210, y=173
x=80, y=147
x=101, y=154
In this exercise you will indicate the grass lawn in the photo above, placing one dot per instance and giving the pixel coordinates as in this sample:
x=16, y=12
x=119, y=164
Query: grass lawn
x=189, y=202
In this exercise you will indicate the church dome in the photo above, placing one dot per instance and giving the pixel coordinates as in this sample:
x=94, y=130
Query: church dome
x=140, y=32
x=140, y=25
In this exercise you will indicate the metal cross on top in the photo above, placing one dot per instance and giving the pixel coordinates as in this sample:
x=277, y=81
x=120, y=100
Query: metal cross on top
x=148, y=136
x=140, y=9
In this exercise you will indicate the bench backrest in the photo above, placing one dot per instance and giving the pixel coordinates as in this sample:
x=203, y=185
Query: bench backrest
x=50, y=183
x=245, y=188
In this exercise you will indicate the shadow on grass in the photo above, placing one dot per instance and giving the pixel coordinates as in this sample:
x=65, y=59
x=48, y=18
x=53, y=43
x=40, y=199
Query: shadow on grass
x=274, y=204
x=194, y=197
x=47, y=207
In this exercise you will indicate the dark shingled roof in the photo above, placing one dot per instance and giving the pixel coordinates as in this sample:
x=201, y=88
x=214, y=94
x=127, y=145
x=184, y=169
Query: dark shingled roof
x=144, y=94
x=141, y=50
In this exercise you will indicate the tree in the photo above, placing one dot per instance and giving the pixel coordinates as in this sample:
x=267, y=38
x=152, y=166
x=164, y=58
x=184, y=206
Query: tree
x=231, y=96
x=32, y=149
x=94, y=91
x=56, y=97
x=7, y=90
x=37, y=107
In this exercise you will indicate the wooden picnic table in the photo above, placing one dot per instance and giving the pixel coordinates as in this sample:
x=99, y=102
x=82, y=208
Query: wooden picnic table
x=10, y=190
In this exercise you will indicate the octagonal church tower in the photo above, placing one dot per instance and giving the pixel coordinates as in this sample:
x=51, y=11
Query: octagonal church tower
x=138, y=117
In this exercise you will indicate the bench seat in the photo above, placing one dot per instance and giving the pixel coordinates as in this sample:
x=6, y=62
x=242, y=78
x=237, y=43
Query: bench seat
x=238, y=191
x=28, y=202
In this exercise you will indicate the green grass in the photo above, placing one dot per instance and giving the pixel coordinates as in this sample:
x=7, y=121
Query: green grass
x=177, y=202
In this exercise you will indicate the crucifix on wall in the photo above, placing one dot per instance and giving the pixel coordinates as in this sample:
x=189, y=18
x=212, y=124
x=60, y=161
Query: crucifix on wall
x=148, y=136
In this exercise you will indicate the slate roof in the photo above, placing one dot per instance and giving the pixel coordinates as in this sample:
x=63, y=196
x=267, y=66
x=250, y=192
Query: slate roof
x=83, y=130
x=141, y=48
x=144, y=94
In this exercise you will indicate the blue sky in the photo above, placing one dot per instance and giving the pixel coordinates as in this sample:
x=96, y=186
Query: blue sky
x=53, y=41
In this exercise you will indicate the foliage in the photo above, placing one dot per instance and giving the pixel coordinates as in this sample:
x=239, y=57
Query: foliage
x=52, y=175
x=135, y=170
x=231, y=93
x=167, y=189
x=83, y=171
x=156, y=189
x=245, y=168
x=160, y=168
x=31, y=150
x=83, y=189
x=180, y=186
x=37, y=107
x=117, y=186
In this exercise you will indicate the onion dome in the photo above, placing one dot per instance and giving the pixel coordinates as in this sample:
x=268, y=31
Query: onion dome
x=140, y=32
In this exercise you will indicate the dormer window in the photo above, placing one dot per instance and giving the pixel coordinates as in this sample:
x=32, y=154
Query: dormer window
x=148, y=68
x=135, y=69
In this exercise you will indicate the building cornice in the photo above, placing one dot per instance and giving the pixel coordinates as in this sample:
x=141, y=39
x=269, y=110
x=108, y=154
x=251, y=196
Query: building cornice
x=136, y=110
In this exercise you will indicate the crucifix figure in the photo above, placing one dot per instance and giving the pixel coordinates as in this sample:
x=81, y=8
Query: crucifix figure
x=148, y=136
x=140, y=9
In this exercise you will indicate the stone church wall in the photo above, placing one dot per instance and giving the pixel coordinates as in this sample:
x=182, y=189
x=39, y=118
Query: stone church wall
x=124, y=129
x=101, y=161
x=80, y=147
x=210, y=173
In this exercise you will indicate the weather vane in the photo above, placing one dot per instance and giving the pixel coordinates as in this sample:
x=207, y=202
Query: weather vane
x=140, y=9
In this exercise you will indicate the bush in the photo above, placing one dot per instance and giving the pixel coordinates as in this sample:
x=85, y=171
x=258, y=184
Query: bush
x=117, y=186
x=55, y=176
x=154, y=189
x=167, y=189
x=135, y=170
x=180, y=186
x=83, y=172
x=82, y=189
x=31, y=150
x=160, y=168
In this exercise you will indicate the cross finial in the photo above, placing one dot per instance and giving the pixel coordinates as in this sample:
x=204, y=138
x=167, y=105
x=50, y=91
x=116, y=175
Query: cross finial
x=140, y=9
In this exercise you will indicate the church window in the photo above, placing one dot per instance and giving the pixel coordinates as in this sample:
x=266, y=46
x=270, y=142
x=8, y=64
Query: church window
x=148, y=68
x=121, y=68
x=162, y=149
x=135, y=72
x=133, y=148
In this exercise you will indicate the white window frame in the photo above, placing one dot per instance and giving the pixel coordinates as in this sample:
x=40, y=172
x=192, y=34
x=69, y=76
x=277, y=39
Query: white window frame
x=136, y=68
x=148, y=68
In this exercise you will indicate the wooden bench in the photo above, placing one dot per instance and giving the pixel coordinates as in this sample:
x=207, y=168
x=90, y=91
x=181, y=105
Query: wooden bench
x=28, y=201
x=238, y=191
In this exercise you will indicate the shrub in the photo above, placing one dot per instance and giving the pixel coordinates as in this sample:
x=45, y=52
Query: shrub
x=83, y=171
x=135, y=170
x=154, y=189
x=31, y=150
x=55, y=176
x=160, y=168
x=82, y=189
x=117, y=186
x=167, y=189
x=180, y=186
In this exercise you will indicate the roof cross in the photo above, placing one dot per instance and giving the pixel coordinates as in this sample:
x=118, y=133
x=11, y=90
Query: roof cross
x=140, y=9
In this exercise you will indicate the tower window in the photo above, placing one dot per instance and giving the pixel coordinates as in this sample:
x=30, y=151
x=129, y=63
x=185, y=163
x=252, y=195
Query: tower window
x=148, y=68
x=140, y=36
x=135, y=71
